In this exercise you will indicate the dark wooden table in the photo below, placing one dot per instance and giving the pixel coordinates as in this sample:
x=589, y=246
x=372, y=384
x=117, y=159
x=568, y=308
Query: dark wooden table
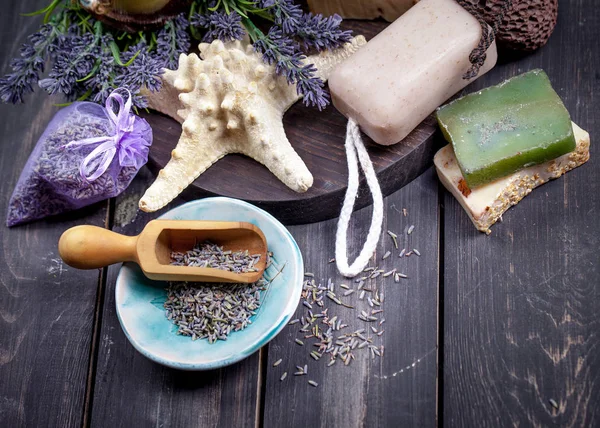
x=486, y=331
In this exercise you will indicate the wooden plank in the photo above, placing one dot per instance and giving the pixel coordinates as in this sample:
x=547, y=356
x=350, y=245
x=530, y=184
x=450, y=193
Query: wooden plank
x=132, y=390
x=46, y=308
x=522, y=306
x=400, y=388
x=318, y=137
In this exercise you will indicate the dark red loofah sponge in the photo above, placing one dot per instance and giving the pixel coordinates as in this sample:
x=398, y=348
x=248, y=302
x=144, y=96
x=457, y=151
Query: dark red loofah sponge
x=527, y=25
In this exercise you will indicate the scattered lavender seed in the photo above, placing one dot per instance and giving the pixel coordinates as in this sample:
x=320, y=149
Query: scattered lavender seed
x=349, y=292
x=393, y=271
x=309, y=274
x=294, y=321
x=416, y=252
x=276, y=363
x=386, y=255
x=553, y=403
x=394, y=238
x=299, y=342
x=283, y=376
x=332, y=260
x=209, y=255
x=313, y=383
x=402, y=252
x=308, y=305
x=410, y=229
x=401, y=275
x=362, y=295
x=212, y=311
x=344, y=286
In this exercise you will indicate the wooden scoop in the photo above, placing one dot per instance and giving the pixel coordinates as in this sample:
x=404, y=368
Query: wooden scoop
x=91, y=247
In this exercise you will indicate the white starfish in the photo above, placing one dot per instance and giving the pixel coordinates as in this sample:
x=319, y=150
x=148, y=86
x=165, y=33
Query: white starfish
x=230, y=102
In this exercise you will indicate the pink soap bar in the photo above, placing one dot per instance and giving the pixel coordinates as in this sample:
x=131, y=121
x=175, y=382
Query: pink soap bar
x=408, y=70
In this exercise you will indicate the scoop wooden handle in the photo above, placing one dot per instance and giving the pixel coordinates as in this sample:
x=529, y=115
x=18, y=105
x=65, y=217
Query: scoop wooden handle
x=92, y=247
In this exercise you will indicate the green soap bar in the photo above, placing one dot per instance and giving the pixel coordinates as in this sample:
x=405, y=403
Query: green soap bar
x=502, y=129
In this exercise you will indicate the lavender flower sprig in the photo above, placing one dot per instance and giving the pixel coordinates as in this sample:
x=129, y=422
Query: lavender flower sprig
x=282, y=51
x=219, y=25
x=87, y=60
x=27, y=68
x=321, y=33
x=287, y=15
x=173, y=40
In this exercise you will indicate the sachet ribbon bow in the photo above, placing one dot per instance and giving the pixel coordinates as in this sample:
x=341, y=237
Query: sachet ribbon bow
x=126, y=140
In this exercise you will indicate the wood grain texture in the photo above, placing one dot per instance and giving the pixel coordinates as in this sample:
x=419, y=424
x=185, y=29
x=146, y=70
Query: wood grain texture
x=46, y=308
x=358, y=395
x=131, y=390
x=318, y=137
x=522, y=306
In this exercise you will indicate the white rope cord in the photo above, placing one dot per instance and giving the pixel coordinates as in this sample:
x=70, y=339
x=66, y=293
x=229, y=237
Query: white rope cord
x=354, y=145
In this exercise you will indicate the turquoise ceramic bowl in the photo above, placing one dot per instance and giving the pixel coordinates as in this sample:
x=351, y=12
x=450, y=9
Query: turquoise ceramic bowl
x=140, y=300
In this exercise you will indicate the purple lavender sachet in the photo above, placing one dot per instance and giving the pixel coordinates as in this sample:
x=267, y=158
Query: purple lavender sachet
x=87, y=153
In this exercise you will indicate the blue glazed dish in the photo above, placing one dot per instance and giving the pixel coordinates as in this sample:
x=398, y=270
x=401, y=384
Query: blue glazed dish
x=140, y=300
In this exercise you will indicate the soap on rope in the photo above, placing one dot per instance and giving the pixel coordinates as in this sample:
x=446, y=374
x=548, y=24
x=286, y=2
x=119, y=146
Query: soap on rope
x=408, y=70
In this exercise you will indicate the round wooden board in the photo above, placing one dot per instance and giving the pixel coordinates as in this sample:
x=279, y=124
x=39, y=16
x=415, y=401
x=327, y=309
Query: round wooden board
x=318, y=137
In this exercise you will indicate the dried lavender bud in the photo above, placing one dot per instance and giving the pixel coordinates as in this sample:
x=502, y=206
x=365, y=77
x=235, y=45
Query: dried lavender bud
x=282, y=51
x=143, y=72
x=286, y=14
x=73, y=61
x=27, y=68
x=219, y=25
x=212, y=311
x=173, y=40
x=316, y=31
x=102, y=83
x=209, y=255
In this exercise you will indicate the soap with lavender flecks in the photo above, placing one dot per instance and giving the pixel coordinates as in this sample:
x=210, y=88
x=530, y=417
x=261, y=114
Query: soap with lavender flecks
x=504, y=128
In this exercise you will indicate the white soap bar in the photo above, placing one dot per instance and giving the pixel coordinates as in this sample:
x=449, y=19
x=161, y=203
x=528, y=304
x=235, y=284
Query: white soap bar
x=486, y=204
x=408, y=70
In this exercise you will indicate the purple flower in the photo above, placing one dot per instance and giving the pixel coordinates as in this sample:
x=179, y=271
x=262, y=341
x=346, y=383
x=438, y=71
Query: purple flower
x=287, y=15
x=316, y=31
x=101, y=83
x=27, y=68
x=74, y=59
x=143, y=72
x=220, y=25
x=282, y=51
x=173, y=40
